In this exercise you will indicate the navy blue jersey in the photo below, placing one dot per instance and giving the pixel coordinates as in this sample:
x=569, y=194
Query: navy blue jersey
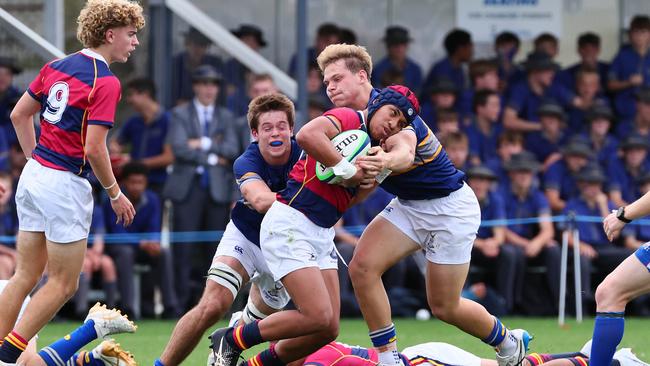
x=432, y=174
x=252, y=166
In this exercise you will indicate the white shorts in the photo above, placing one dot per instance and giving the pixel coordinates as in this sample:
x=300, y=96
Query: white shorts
x=442, y=353
x=290, y=241
x=56, y=202
x=3, y=284
x=444, y=227
x=234, y=244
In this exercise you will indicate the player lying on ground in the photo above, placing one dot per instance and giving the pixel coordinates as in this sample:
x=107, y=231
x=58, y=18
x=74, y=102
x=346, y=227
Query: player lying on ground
x=434, y=211
x=441, y=354
x=100, y=322
x=444, y=354
x=261, y=171
x=76, y=98
x=296, y=236
x=628, y=281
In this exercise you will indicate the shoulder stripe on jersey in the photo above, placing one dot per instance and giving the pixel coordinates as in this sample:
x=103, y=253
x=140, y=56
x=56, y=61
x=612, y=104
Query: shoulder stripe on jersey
x=425, y=139
x=334, y=123
x=84, y=123
x=422, y=162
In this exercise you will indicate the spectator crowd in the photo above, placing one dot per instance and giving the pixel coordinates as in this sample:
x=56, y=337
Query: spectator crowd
x=535, y=140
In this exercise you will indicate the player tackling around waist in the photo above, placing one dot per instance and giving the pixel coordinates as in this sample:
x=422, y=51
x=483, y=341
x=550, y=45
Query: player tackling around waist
x=296, y=235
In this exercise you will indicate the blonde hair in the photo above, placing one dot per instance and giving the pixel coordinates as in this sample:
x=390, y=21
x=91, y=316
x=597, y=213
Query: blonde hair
x=356, y=57
x=267, y=103
x=98, y=16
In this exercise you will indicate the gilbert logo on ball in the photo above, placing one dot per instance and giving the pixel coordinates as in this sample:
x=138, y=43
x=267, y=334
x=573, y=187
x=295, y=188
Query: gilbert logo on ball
x=350, y=144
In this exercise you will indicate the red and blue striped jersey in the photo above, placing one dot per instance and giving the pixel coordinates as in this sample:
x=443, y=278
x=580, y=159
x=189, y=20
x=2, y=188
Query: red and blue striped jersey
x=322, y=203
x=74, y=92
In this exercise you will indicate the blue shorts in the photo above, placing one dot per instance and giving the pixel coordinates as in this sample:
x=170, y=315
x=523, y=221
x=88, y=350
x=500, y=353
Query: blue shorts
x=643, y=253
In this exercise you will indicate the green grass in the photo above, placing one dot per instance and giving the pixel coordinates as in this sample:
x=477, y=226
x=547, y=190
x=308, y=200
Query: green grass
x=148, y=342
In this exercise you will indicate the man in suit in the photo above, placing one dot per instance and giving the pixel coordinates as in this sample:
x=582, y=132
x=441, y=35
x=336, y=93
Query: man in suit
x=205, y=143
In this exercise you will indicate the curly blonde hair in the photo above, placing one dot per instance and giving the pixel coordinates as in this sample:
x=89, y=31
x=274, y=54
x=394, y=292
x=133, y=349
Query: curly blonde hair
x=267, y=103
x=356, y=57
x=98, y=16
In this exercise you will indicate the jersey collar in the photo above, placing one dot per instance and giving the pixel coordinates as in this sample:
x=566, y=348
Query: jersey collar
x=90, y=53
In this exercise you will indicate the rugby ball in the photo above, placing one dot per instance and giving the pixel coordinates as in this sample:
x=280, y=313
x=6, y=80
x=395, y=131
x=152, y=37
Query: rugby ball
x=351, y=144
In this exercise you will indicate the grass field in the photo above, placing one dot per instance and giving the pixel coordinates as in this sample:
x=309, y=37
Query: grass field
x=148, y=342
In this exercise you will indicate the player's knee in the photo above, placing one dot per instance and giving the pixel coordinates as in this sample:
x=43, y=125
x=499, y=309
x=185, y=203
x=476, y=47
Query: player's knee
x=360, y=270
x=443, y=310
x=609, y=296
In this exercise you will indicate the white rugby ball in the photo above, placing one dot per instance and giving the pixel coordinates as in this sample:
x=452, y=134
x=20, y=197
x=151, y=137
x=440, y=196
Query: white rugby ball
x=351, y=144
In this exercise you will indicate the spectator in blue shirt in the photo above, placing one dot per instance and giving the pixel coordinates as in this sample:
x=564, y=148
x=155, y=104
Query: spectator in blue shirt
x=595, y=248
x=460, y=49
x=524, y=200
x=636, y=235
x=548, y=44
x=490, y=248
x=483, y=75
x=485, y=127
x=447, y=123
x=184, y=64
x=8, y=227
x=623, y=172
x=457, y=147
x=559, y=179
x=640, y=124
x=443, y=95
x=509, y=143
x=605, y=146
x=260, y=84
x=142, y=249
x=545, y=144
x=506, y=47
x=9, y=95
x=589, y=94
x=397, y=41
x=630, y=68
x=326, y=34
x=234, y=72
x=145, y=132
x=526, y=95
x=588, y=49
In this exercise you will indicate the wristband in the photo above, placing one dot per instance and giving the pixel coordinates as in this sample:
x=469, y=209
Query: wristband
x=111, y=186
x=344, y=169
x=116, y=196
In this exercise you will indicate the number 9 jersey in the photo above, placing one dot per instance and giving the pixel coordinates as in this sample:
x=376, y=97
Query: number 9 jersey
x=74, y=92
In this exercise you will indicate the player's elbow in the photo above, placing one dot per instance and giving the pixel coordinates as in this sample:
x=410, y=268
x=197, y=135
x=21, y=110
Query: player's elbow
x=95, y=151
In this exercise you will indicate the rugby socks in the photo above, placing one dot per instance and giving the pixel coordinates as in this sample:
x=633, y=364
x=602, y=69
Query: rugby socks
x=84, y=358
x=245, y=336
x=608, y=332
x=385, y=341
x=501, y=339
x=65, y=348
x=268, y=357
x=157, y=362
x=536, y=359
x=12, y=347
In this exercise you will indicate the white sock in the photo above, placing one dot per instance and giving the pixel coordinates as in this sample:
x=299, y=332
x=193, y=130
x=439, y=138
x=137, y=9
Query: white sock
x=509, y=344
x=390, y=357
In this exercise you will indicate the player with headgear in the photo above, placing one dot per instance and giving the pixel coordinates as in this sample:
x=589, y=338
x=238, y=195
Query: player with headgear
x=76, y=98
x=297, y=235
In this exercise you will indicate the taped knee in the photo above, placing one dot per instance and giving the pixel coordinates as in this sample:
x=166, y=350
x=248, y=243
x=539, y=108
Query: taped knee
x=226, y=276
x=251, y=313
